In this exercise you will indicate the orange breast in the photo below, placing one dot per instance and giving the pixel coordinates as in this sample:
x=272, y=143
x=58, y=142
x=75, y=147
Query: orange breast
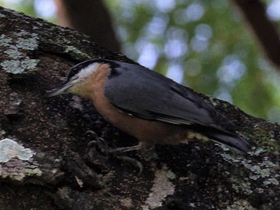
x=152, y=132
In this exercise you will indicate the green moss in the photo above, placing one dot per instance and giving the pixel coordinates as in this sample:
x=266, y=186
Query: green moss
x=170, y=175
x=264, y=141
x=77, y=52
x=17, y=177
x=22, y=173
x=32, y=171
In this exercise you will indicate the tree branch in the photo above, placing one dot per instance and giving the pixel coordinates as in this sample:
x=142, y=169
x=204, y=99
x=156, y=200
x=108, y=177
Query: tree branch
x=49, y=152
x=266, y=33
x=90, y=17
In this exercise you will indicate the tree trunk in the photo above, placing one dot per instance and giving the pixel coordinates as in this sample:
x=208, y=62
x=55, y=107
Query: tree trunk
x=266, y=33
x=48, y=160
x=90, y=17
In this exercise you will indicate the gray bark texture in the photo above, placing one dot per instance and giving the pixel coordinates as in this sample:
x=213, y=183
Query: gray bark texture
x=47, y=160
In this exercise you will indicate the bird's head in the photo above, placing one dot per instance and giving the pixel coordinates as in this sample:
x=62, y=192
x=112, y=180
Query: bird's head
x=78, y=78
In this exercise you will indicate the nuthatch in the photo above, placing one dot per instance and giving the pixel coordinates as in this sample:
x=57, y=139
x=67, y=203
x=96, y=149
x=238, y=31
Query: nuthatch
x=149, y=106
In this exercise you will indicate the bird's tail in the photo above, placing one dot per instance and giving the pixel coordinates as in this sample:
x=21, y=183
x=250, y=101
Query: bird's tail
x=232, y=140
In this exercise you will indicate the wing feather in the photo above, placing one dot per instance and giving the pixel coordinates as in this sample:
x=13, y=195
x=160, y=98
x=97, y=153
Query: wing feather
x=148, y=95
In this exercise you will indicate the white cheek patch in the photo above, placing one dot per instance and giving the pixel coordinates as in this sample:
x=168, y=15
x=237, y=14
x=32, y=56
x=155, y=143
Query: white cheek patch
x=86, y=72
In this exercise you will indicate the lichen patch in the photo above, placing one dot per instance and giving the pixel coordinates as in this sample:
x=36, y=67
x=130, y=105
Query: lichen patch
x=162, y=187
x=11, y=149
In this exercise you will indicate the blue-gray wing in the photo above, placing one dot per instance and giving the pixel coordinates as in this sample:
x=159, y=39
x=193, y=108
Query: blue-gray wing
x=148, y=95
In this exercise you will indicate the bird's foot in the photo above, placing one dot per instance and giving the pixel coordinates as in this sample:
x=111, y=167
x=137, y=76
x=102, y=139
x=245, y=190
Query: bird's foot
x=99, y=142
x=104, y=148
x=102, y=145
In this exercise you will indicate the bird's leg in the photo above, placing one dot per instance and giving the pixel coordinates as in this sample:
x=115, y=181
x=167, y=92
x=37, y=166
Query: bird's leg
x=123, y=149
x=147, y=151
x=104, y=148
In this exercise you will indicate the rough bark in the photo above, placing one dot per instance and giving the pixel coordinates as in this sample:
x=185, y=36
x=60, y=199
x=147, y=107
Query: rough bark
x=254, y=12
x=90, y=17
x=46, y=161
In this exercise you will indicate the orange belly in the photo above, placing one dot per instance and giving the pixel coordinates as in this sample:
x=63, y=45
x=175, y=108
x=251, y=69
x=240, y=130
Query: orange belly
x=151, y=132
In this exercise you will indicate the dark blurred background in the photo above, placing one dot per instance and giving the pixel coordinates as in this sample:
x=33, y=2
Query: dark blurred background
x=206, y=45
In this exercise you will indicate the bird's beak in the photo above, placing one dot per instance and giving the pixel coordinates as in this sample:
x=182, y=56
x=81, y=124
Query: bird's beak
x=61, y=90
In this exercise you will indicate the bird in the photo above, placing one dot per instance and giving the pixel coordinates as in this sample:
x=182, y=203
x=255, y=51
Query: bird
x=149, y=106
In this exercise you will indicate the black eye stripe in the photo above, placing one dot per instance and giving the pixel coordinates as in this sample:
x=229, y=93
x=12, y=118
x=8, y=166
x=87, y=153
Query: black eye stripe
x=77, y=68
